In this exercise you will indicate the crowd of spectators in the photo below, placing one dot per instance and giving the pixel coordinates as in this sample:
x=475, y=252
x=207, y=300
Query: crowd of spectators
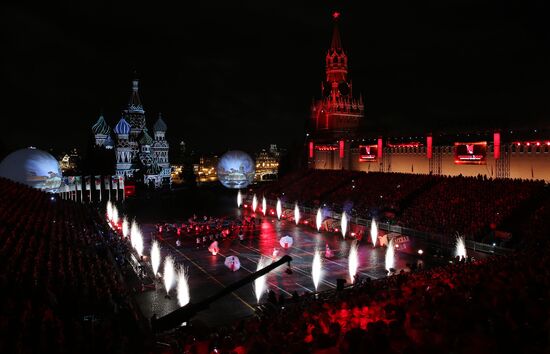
x=468, y=205
x=62, y=290
x=472, y=206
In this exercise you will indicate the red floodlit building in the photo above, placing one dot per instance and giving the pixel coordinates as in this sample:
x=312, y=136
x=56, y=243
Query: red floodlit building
x=335, y=141
x=337, y=115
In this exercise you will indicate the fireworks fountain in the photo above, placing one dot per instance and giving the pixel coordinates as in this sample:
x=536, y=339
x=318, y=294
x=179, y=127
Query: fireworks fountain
x=279, y=209
x=353, y=261
x=319, y=219
x=183, y=287
x=316, y=269
x=114, y=217
x=254, y=203
x=261, y=282
x=109, y=211
x=373, y=232
x=155, y=257
x=136, y=239
x=125, y=227
x=169, y=273
x=344, y=224
x=239, y=199
x=460, y=247
x=264, y=205
x=296, y=213
x=390, y=256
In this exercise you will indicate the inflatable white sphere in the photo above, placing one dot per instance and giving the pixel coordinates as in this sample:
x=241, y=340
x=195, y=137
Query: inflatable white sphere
x=236, y=169
x=33, y=167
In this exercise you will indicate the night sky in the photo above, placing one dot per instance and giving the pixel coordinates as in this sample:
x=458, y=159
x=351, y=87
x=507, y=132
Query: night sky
x=242, y=74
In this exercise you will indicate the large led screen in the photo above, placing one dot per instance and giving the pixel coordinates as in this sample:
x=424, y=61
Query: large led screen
x=471, y=153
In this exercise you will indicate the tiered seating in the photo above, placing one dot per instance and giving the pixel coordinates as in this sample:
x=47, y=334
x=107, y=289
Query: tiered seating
x=61, y=288
x=467, y=205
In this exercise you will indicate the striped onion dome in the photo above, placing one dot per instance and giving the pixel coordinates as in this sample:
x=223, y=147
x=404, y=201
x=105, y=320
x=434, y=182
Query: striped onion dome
x=101, y=127
x=122, y=127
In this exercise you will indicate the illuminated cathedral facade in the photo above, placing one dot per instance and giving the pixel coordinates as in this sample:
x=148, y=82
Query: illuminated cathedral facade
x=139, y=156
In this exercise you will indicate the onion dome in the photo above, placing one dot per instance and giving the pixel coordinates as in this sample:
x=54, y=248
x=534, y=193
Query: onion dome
x=122, y=127
x=159, y=126
x=101, y=127
x=145, y=139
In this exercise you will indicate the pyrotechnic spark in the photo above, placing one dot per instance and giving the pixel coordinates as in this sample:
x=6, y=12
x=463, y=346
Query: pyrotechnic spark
x=460, y=247
x=136, y=238
x=109, y=211
x=239, y=199
x=254, y=203
x=155, y=257
x=373, y=232
x=114, y=215
x=316, y=269
x=390, y=256
x=169, y=273
x=261, y=282
x=125, y=227
x=264, y=205
x=344, y=224
x=183, y=287
x=353, y=260
x=296, y=213
x=279, y=209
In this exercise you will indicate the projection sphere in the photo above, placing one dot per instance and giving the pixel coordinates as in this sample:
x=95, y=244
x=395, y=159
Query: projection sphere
x=33, y=167
x=236, y=169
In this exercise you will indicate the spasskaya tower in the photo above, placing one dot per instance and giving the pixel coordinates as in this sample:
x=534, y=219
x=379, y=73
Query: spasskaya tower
x=335, y=118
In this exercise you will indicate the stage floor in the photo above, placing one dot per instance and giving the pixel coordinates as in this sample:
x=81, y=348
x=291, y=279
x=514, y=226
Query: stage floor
x=208, y=274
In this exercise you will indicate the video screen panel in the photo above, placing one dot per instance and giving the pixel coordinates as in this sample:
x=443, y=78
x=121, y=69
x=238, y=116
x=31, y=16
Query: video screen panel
x=368, y=153
x=471, y=153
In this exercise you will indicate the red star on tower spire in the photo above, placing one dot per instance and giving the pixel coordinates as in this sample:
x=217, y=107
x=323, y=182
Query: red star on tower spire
x=335, y=15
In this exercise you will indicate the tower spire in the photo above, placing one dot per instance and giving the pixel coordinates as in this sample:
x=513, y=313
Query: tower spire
x=134, y=105
x=336, y=43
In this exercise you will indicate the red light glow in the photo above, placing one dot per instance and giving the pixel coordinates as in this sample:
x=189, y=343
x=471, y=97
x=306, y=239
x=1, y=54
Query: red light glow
x=496, y=142
x=335, y=15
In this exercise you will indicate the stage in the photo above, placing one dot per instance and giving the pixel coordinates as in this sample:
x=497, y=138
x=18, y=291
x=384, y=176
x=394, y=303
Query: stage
x=208, y=274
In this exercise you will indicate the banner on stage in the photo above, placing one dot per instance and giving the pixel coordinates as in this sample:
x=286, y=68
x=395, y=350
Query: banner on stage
x=120, y=182
x=115, y=182
x=97, y=182
x=107, y=182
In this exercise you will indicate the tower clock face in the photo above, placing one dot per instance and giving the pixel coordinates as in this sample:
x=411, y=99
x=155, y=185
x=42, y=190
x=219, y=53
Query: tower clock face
x=343, y=88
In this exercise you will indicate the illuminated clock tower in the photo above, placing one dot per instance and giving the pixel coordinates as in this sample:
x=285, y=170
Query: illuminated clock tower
x=336, y=117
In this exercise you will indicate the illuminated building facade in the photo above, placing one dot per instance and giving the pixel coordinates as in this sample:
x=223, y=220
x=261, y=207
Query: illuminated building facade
x=335, y=142
x=138, y=154
x=267, y=164
x=336, y=117
x=205, y=170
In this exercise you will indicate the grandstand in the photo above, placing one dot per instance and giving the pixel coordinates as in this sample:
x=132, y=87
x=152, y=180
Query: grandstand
x=62, y=288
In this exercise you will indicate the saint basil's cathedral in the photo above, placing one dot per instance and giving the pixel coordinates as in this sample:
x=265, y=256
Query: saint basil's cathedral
x=139, y=155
